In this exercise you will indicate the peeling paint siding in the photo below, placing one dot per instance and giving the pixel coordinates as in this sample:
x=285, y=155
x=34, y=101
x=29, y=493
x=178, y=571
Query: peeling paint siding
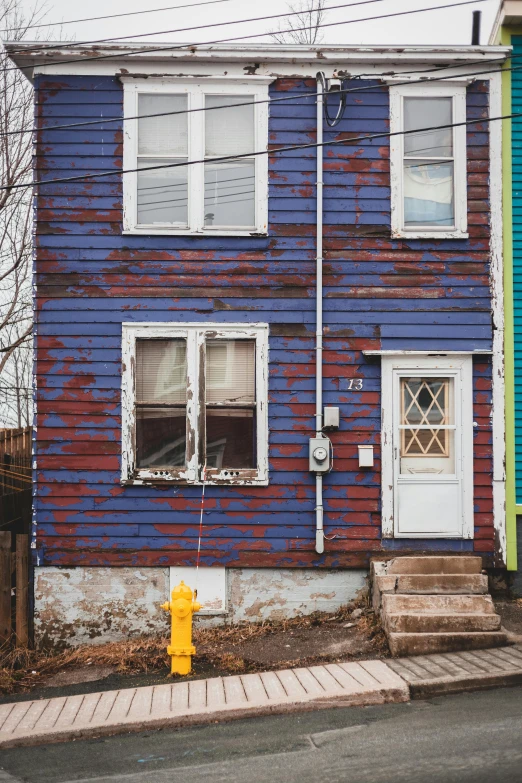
x=84, y=605
x=88, y=605
x=380, y=293
x=267, y=593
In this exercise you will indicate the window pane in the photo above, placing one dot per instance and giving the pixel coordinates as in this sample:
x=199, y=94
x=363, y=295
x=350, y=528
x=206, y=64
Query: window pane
x=426, y=113
x=425, y=401
x=162, y=193
x=229, y=131
x=230, y=194
x=162, y=135
x=161, y=437
x=161, y=371
x=230, y=371
x=428, y=194
x=427, y=405
x=230, y=438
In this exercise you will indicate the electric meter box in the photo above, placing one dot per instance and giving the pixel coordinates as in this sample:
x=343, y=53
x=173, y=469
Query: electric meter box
x=320, y=455
x=331, y=419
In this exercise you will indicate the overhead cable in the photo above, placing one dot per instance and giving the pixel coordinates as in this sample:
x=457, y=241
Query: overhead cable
x=190, y=46
x=271, y=100
x=112, y=16
x=72, y=44
x=273, y=151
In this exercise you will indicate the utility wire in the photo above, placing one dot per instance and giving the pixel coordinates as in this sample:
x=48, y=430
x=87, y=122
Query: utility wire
x=164, y=48
x=303, y=96
x=72, y=44
x=274, y=151
x=112, y=16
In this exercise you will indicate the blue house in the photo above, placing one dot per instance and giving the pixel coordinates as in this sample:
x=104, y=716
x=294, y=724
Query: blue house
x=269, y=323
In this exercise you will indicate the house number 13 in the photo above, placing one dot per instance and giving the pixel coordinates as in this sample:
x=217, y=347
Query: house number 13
x=355, y=384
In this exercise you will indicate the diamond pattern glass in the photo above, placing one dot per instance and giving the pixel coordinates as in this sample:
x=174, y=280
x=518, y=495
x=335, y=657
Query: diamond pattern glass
x=425, y=411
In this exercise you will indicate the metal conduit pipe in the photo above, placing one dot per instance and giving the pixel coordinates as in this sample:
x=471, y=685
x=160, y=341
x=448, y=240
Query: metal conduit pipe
x=319, y=511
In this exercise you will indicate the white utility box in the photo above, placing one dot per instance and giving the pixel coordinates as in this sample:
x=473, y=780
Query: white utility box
x=365, y=456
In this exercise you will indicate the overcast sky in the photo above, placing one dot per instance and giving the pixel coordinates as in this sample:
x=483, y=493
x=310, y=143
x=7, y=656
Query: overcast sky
x=445, y=26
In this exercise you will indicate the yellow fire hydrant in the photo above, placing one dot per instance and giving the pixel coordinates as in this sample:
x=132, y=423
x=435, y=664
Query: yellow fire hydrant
x=181, y=607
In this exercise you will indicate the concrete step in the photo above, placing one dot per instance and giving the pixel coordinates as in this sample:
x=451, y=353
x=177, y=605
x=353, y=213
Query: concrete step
x=440, y=623
x=402, y=644
x=435, y=565
x=449, y=584
x=438, y=604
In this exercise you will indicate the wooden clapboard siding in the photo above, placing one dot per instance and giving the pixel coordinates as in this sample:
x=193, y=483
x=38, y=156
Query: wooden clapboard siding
x=379, y=294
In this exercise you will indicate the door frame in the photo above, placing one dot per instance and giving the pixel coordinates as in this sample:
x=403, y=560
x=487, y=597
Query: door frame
x=461, y=367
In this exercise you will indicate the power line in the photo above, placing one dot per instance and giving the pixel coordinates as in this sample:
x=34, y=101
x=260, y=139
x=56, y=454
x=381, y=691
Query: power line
x=245, y=37
x=112, y=16
x=272, y=100
x=288, y=148
x=72, y=44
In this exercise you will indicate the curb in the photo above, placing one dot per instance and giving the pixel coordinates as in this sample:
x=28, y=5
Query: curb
x=197, y=702
x=443, y=687
x=200, y=701
x=389, y=697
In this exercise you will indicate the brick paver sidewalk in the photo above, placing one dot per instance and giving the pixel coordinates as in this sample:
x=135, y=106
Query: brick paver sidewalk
x=430, y=675
x=199, y=701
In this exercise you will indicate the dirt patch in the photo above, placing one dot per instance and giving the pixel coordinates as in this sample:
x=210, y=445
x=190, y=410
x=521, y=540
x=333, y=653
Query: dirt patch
x=325, y=640
x=251, y=647
x=511, y=617
x=78, y=675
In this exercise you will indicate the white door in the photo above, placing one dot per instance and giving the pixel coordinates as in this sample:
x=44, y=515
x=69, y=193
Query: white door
x=428, y=437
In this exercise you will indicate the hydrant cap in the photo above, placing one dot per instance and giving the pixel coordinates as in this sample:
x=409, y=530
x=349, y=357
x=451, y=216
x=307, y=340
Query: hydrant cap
x=182, y=591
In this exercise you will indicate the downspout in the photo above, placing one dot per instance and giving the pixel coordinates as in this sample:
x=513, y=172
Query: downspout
x=319, y=511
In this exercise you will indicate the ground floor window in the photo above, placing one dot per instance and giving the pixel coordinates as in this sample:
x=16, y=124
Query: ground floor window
x=194, y=403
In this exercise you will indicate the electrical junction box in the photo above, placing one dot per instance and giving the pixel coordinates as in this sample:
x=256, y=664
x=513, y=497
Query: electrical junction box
x=320, y=455
x=365, y=456
x=331, y=419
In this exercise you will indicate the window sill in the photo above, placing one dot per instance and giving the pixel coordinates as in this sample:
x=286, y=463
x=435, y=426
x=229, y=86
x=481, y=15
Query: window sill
x=429, y=234
x=169, y=232
x=162, y=482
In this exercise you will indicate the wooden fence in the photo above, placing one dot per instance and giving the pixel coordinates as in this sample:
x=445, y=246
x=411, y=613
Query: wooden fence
x=15, y=535
x=15, y=460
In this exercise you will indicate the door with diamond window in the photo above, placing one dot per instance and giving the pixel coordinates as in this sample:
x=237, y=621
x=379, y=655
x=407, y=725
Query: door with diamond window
x=431, y=458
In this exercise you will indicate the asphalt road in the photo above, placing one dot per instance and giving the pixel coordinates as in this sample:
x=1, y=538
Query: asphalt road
x=470, y=737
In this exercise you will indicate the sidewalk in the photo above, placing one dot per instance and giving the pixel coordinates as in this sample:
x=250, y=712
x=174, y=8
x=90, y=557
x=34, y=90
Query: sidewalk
x=222, y=698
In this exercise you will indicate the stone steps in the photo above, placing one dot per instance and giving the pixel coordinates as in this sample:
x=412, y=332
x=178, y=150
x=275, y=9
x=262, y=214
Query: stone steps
x=467, y=604
x=429, y=622
x=435, y=565
x=435, y=605
x=438, y=584
x=402, y=644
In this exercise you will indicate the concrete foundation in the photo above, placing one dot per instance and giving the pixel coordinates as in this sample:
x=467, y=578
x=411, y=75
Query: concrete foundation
x=82, y=605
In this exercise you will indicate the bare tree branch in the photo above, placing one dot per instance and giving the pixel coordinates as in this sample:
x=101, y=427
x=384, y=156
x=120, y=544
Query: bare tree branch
x=305, y=26
x=16, y=113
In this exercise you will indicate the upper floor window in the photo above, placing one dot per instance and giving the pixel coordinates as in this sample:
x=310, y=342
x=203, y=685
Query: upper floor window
x=183, y=130
x=194, y=403
x=428, y=167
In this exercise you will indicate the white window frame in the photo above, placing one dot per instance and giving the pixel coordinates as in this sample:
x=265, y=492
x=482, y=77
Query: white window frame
x=457, y=92
x=195, y=334
x=195, y=90
x=458, y=367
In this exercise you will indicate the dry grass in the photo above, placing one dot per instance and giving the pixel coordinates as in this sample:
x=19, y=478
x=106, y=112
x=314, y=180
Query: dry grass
x=23, y=669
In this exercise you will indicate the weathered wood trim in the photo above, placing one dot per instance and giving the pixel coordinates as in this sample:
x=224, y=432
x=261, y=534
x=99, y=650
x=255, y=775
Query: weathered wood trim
x=195, y=335
x=426, y=353
x=497, y=305
x=195, y=89
x=460, y=368
x=456, y=91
